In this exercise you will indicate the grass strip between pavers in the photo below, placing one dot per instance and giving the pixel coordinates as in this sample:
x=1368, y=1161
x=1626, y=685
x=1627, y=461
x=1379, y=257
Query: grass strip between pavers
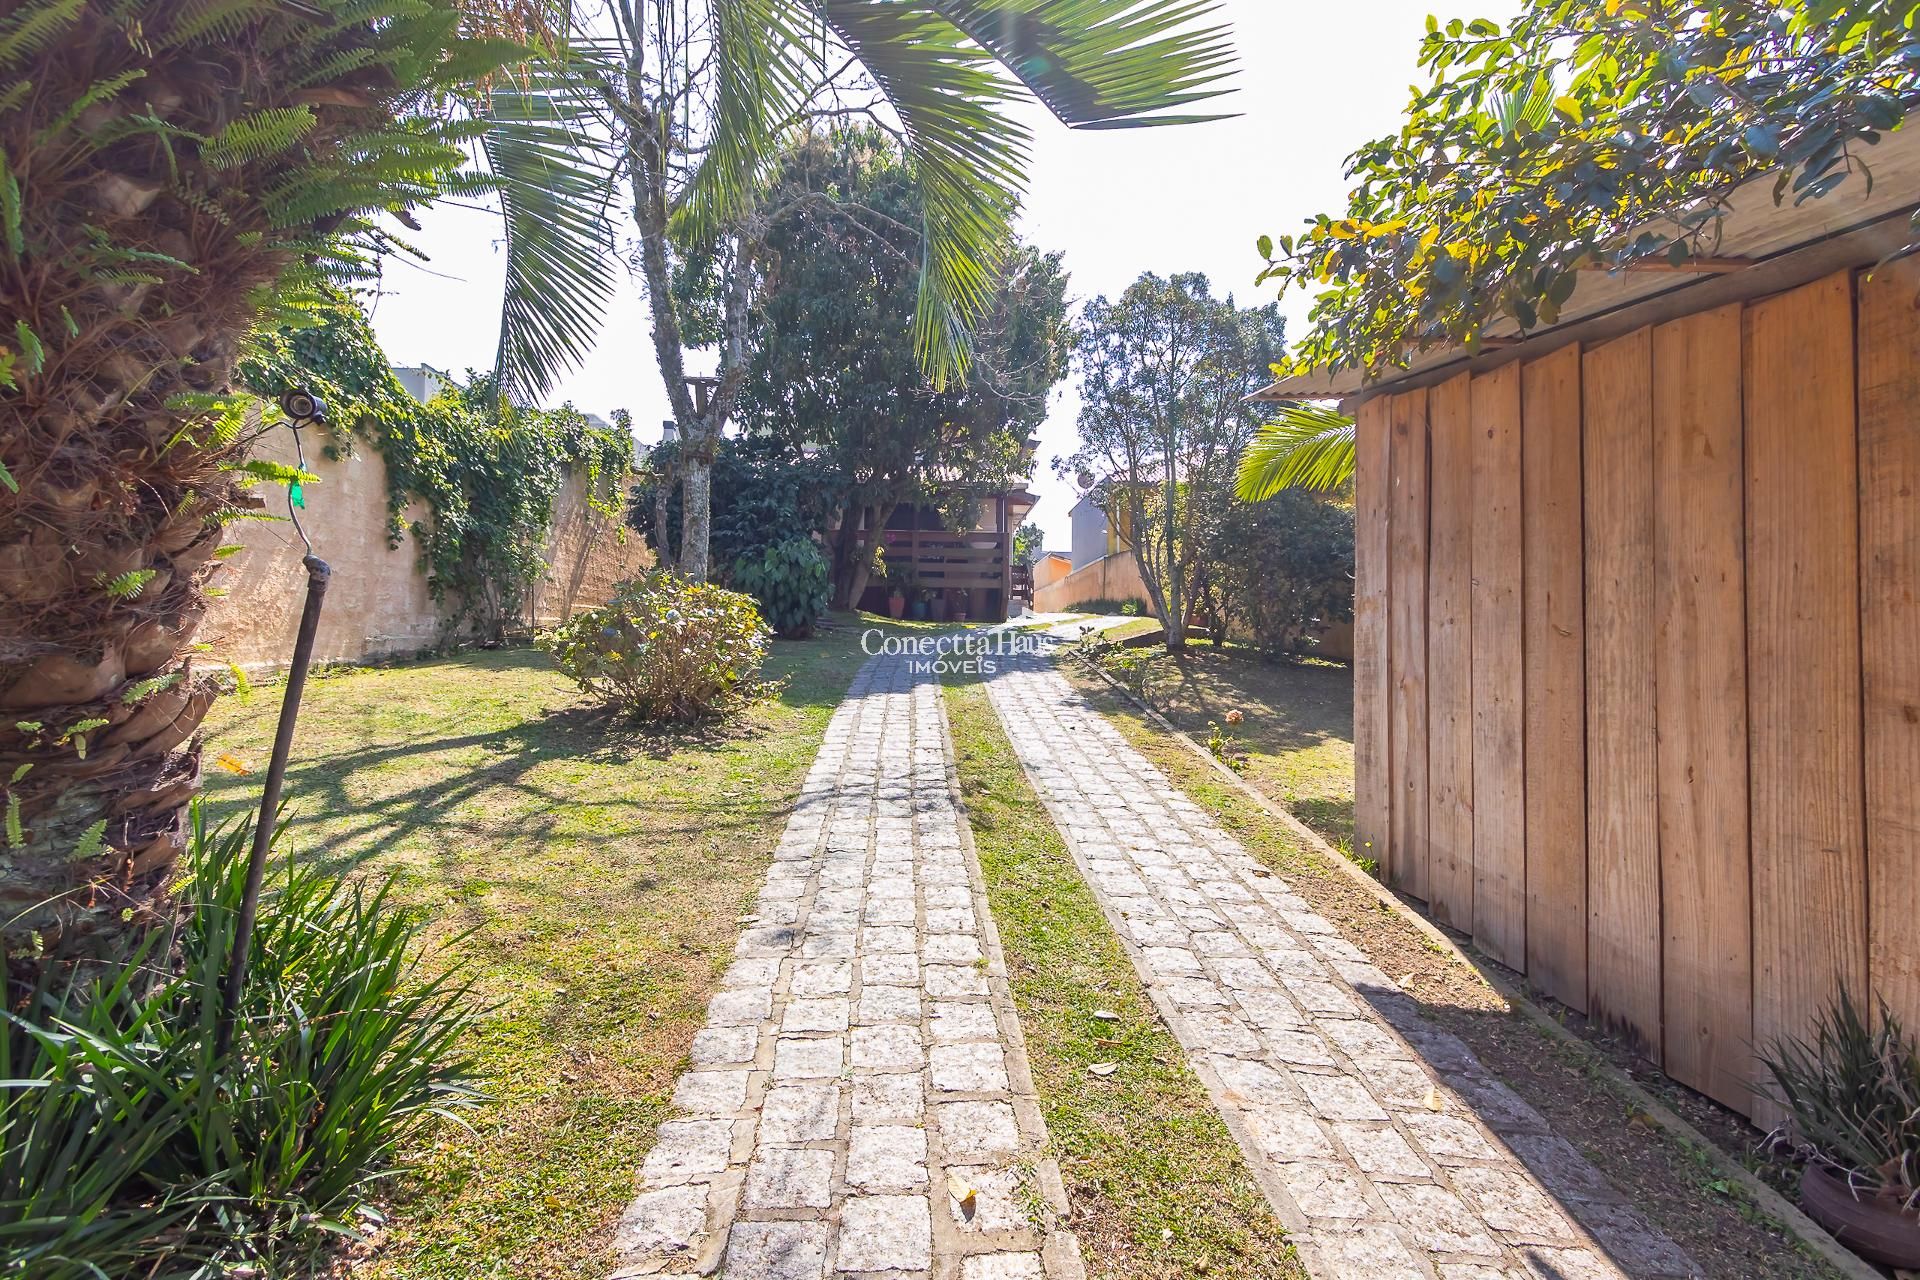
x=1159, y=1190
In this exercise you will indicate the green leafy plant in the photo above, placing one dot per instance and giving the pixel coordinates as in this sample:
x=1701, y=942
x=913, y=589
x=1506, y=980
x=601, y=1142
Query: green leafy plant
x=1582, y=137
x=1138, y=670
x=666, y=648
x=1281, y=572
x=1224, y=747
x=1306, y=446
x=1853, y=1095
x=790, y=580
x=129, y=1146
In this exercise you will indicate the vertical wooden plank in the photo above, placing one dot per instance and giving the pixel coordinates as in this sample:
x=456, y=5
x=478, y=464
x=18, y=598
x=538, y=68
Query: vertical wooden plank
x=1623, y=816
x=1370, y=783
x=1803, y=655
x=1700, y=706
x=1554, y=644
x=1407, y=644
x=1890, y=627
x=1499, y=772
x=1450, y=654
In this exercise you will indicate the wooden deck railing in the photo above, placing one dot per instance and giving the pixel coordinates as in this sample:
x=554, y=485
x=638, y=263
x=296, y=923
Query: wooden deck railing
x=934, y=558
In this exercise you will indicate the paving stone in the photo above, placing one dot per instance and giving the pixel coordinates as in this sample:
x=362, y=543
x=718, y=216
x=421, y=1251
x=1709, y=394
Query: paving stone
x=977, y=1130
x=1288, y=1135
x=885, y=1233
x=1449, y=1139
x=1171, y=962
x=889, y=1099
x=887, y=1158
x=777, y=1251
x=821, y=978
x=1382, y=1153
x=1359, y=1039
x=882, y=939
x=1324, y=1189
x=950, y=948
x=796, y=1113
x=945, y=982
x=954, y=1022
x=789, y=1178
x=663, y=1224
x=1370, y=1252
x=1568, y=1264
x=711, y=1093
x=890, y=970
x=951, y=920
x=1511, y=1204
x=1438, y=1220
x=968, y=1068
x=888, y=1004
x=804, y=1016
x=1003, y=1266
x=1300, y=1048
x=1339, y=1097
x=805, y=1059
x=889, y=1048
x=998, y=1202
x=1255, y=1084
x=716, y=1046
x=687, y=1150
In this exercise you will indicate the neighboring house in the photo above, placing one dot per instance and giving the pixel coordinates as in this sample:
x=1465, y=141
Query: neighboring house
x=968, y=570
x=1050, y=568
x=423, y=382
x=1637, y=691
x=1093, y=535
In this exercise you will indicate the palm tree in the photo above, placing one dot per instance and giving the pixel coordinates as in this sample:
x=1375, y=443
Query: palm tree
x=1308, y=446
x=680, y=108
x=169, y=170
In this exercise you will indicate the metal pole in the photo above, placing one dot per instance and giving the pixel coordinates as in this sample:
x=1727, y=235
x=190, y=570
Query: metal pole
x=317, y=575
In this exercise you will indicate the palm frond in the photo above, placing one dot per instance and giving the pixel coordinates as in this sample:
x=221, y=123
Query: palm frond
x=968, y=154
x=555, y=185
x=761, y=80
x=1104, y=64
x=1307, y=447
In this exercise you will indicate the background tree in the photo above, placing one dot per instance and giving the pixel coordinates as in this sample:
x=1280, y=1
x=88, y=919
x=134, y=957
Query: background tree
x=168, y=171
x=1280, y=571
x=678, y=110
x=1165, y=371
x=833, y=373
x=1029, y=543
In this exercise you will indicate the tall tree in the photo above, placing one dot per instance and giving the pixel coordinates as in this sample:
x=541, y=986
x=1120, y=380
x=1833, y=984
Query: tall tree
x=833, y=372
x=678, y=110
x=167, y=169
x=1165, y=371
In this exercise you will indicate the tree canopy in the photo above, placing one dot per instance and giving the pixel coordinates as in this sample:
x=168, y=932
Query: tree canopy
x=1586, y=135
x=1165, y=372
x=833, y=371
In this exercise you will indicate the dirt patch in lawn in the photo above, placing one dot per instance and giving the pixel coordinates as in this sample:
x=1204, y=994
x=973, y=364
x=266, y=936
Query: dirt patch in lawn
x=1713, y=1220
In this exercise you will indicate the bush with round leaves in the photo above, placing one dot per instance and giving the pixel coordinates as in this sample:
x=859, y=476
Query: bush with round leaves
x=666, y=648
x=792, y=582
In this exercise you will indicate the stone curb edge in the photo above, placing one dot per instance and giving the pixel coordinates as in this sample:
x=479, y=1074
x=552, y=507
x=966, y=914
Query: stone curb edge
x=1789, y=1215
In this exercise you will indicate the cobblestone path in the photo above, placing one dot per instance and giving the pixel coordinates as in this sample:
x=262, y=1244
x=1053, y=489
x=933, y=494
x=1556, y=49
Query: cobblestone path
x=1385, y=1146
x=859, y=1103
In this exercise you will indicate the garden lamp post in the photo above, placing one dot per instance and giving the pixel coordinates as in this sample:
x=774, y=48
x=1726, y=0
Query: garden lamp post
x=303, y=409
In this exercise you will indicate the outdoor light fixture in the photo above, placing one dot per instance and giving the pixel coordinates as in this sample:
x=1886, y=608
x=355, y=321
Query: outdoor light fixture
x=303, y=406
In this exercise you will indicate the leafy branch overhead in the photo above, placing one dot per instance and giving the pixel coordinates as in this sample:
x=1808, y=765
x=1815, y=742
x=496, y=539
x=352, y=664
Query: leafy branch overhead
x=944, y=75
x=1586, y=136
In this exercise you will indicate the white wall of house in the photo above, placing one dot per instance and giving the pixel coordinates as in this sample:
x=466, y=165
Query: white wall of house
x=1090, y=540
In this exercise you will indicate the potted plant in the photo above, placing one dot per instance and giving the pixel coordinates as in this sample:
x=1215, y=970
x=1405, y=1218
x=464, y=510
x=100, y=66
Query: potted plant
x=958, y=604
x=896, y=601
x=919, y=607
x=937, y=606
x=1853, y=1103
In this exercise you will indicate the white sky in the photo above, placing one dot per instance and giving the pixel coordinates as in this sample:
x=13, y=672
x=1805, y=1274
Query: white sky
x=1316, y=81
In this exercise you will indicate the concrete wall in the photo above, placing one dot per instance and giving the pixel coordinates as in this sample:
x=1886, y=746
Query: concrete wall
x=1115, y=577
x=377, y=603
x=1050, y=568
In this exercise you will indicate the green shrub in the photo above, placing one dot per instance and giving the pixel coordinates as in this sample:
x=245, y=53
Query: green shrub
x=791, y=580
x=128, y=1147
x=1853, y=1095
x=665, y=648
x=1284, y=572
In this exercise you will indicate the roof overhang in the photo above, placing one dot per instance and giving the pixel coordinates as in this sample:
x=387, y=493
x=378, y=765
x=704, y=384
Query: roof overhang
x=1762, y=249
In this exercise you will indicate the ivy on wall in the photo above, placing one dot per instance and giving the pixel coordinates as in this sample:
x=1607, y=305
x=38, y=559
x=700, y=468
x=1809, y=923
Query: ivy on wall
x=488, y=471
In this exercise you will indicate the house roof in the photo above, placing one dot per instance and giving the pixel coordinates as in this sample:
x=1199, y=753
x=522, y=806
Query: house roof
x=1763, y=248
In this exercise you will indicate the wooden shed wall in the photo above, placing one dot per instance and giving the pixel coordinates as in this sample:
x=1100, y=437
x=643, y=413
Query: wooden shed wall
x=1638, y=667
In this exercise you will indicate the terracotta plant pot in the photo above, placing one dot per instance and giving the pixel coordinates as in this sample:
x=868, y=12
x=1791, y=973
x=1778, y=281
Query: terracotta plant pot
x=896, y=606
x=1876, y=1229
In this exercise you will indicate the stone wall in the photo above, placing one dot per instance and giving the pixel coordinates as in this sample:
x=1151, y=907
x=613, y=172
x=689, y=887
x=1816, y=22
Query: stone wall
x=377, y=603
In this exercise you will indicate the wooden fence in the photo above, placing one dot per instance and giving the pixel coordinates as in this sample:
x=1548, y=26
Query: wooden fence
x=1637, y=681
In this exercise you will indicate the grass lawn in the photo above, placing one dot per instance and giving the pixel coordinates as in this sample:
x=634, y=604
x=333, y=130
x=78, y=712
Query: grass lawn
x=1158, y=1188
x=592, y=873
x=1298, y=731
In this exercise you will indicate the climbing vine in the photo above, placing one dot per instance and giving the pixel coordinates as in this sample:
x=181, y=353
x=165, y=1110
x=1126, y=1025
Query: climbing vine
x=488, y=471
